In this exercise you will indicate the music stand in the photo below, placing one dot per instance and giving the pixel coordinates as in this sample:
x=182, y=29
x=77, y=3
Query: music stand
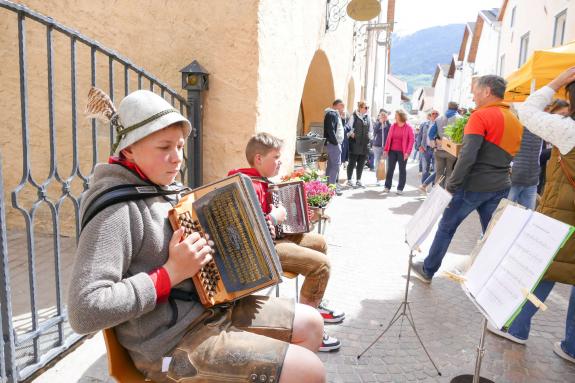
x=416, y=231
x=403, y=311
x=476, y=377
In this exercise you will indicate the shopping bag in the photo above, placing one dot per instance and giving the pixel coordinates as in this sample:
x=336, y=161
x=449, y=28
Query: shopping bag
x=380, y=171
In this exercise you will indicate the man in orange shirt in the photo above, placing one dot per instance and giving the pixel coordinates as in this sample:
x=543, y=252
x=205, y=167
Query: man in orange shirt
x=480, y=178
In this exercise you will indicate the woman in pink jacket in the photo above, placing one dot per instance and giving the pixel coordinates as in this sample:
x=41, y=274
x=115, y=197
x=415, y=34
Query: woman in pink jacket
x=398, y=146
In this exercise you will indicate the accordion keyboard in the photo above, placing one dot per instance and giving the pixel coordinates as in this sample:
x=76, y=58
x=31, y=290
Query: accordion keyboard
x=209, y=275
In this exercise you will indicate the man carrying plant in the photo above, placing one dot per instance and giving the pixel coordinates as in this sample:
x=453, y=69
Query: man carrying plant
x=480, y=179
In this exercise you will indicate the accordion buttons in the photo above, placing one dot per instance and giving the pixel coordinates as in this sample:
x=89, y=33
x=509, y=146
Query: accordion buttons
x=253, y=377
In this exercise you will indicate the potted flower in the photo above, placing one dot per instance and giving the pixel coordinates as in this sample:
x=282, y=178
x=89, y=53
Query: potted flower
x=318, y=195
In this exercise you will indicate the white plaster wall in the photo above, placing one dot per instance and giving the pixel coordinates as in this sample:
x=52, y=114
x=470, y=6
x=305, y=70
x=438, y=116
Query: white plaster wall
x=486, y=59
x=538, y=18
x=289, y=34
x=395, y=93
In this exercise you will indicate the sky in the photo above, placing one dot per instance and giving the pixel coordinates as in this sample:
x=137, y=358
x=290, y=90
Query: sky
x=413, y=15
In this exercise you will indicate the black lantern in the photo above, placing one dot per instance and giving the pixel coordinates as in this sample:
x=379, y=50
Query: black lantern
x=194, y=77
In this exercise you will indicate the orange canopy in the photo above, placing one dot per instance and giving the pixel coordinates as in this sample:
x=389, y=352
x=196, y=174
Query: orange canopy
x=542, y=67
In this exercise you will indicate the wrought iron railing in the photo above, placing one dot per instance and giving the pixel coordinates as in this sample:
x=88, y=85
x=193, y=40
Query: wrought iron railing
x=45, y=335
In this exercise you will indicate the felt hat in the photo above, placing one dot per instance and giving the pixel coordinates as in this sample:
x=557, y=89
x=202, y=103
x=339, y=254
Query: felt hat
x=140, y=114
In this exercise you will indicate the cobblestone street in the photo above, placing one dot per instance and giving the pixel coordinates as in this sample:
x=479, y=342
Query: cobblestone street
x=369, y=264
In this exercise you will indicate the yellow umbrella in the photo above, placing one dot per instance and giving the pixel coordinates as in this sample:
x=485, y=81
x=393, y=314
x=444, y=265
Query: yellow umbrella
x=542, y=67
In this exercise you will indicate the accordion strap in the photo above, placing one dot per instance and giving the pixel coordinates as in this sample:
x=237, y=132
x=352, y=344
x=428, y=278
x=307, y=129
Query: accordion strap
x=122, y=193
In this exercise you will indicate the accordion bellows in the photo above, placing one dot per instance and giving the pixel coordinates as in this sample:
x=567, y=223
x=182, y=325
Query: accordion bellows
x=292, y=196
x=245, y=259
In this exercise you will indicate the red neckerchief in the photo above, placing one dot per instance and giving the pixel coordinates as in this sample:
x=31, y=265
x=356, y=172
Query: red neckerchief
x=128, y=165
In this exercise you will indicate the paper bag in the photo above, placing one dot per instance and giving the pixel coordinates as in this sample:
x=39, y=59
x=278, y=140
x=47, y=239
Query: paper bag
x=380, y=171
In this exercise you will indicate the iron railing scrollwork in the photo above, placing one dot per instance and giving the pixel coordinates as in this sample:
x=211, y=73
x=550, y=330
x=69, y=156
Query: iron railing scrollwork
x=48, y=337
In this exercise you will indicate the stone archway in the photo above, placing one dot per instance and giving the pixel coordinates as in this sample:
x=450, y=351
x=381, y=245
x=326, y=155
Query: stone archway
x=318, y=92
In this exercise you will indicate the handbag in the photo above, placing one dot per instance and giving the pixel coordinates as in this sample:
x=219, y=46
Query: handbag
x=380, y=172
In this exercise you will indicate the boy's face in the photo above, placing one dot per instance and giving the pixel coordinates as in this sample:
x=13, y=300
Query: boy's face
x=159, y=155
x=269, y=164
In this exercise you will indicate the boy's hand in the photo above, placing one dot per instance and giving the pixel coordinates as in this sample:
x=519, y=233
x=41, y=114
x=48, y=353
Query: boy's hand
x=271, y=227
x=187, y=255
x=279, y=213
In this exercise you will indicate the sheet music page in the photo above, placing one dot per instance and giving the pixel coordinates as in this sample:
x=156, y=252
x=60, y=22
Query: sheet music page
x=505, y=232
x=522, y=266
x=425, y=217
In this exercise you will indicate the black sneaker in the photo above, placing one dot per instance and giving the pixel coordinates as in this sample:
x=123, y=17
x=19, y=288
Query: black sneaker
x=417, y=270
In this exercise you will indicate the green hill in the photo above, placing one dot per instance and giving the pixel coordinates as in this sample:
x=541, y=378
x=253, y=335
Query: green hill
x=414, y=57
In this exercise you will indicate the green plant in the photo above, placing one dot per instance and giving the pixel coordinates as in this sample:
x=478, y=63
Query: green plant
x=455, y=130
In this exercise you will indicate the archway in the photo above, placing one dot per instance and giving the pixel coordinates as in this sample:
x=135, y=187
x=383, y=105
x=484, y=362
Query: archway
x=318, y=92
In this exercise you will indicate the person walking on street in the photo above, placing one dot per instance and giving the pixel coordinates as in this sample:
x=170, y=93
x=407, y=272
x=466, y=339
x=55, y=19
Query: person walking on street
x=444, y=161
x=361, y=132
x=397, y=149
x=525, y=171
x=424, y=145
x=380, y=131
x=481, y=178
x=557, y=202
x=333, y=133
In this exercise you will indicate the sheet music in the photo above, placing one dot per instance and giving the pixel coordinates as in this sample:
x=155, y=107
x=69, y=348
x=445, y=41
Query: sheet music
x=497, y=244
x=425, y=217
x=527, y=244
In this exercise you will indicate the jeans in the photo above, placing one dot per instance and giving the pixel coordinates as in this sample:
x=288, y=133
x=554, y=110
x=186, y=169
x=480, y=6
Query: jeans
x=377, y=153
x=522, y=324
x=462, y=204
x=426, y=163
x=395, y=157
x=523, y=195
x=429, y=180
x=356, y=160
x=333, y=162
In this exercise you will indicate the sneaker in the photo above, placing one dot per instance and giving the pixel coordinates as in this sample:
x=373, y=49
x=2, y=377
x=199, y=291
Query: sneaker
x=359, y=185
x=349, y=184
x=399, y=192
x=329, y=315
x=557, y=349
x=329, y=343
x=379, y=183
x=505, y=334
x=386, y=190
x=417, y=270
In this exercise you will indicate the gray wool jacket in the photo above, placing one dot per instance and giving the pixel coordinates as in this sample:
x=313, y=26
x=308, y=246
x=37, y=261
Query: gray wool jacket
x=110, y=285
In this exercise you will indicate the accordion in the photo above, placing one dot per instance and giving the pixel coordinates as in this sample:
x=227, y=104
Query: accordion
x=245, y=259
x=292, y=196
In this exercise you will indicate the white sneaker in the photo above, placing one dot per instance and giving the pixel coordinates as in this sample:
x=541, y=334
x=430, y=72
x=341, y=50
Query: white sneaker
x=505, y=334
x=359, y=185
x=386, y=190
x=329, y=343
x=399, y=192
x=559, y=351
x=349, y=184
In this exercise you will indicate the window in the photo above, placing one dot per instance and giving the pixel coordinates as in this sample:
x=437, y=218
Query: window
x=512, y=22
x=389, y=99
x=524, y=45
x=501, y=65
x=559, y=31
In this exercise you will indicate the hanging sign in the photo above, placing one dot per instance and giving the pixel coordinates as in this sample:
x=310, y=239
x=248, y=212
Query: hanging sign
x=363, y=10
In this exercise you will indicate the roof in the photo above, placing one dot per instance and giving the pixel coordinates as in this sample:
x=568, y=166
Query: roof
x=399, y=84
x=490, y=15
x=440, y=68
x=502, y=10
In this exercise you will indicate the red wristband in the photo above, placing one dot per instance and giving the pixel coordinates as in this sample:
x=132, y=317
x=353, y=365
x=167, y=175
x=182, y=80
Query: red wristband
x=162, y=284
